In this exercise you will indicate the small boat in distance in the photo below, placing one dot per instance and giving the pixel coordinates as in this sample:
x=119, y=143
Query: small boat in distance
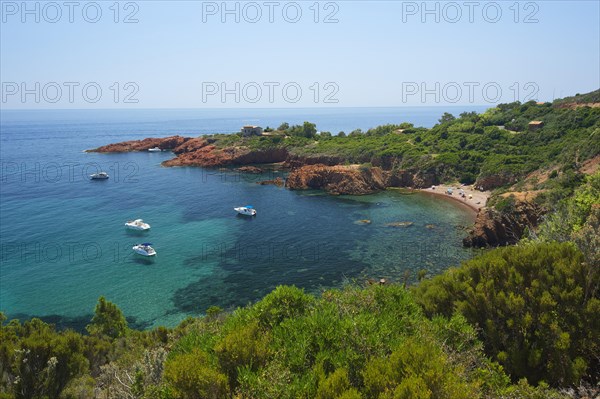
x=137, y=224
x=155, y=149
x=144, y=249
x=247, y=210
x=99, y=176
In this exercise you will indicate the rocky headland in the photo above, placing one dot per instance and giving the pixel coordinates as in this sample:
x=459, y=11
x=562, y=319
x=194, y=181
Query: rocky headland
x=166, y=144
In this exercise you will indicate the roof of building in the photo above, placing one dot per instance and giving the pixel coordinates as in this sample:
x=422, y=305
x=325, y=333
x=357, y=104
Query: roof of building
x=536, y=122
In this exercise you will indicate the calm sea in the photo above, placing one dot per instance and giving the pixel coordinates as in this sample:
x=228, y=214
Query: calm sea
x=63, y=243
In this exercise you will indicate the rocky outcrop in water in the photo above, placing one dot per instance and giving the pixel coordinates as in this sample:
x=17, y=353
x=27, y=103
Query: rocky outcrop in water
x=167, y=143
x=208, y=156
x=337, y=179
x=493, y=228
x=200, y=151
x=400, y=224
x=211, y=156
x=250, y=169
x=191, y=145
x=278, y=181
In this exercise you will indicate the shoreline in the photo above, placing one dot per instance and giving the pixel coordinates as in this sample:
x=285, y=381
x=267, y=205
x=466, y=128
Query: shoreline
x=478, y=201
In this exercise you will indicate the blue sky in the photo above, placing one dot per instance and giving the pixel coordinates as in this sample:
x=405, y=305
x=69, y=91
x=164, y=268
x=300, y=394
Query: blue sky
x=378, y=53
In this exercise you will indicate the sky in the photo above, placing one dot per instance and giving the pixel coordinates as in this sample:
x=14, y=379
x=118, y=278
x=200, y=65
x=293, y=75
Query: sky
x=237, y=54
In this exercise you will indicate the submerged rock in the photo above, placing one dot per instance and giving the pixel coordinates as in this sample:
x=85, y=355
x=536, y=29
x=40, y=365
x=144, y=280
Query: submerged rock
x=278, y=181
x=250, y=169
x=399, y=224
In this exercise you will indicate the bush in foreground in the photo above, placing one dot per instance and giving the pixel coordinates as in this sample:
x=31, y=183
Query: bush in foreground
x=519, y=309
x=531, y=307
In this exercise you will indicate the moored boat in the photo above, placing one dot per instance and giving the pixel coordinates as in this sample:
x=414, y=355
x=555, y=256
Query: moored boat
x=144, y=249
x=137, y=224
x=247, y=210
x=99, y=176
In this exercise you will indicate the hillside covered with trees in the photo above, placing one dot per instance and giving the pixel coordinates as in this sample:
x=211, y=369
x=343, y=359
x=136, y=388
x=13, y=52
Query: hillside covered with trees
x=467, y=147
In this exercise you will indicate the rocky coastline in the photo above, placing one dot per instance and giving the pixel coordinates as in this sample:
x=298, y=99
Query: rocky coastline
x=327, y=173
x=494, y=228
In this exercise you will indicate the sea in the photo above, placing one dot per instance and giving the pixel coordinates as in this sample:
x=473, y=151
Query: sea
x=63, y=243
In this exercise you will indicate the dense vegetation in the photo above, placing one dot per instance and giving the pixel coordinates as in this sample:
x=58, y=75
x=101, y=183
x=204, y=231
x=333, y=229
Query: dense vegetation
x=515, y=322
x=374, y=342
x=536, y=305
x=587, y=98
x=470, y=146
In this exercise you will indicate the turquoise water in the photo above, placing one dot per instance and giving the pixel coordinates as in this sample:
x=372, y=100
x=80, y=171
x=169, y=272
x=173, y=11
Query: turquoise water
x=63, y=243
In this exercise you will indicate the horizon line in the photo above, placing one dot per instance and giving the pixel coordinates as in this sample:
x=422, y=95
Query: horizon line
x=247, y=108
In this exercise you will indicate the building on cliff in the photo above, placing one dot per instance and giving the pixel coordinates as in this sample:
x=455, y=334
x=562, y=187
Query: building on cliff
x=252, y=131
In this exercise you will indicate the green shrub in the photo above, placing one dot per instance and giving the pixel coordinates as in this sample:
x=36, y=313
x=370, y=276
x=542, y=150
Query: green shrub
x=334, y=386
x=284, y=302
x=246, y=346
x=416, y=369
x=192, y=377
x=108, y=320
x=531, y=305
x=38, y=361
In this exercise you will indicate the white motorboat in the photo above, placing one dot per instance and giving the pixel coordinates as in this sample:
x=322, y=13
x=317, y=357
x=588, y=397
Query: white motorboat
x=99, y=176
x=144, y=249
x=155, y=149
x=247, y=210
x=137, y=224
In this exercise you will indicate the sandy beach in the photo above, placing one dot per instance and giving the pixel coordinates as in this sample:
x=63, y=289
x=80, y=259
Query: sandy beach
x=474, y=199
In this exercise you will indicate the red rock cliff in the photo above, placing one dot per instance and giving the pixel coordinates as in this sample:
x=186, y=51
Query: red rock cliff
x=210, y=156
x=199, y=151
x=337, y=179
x=493, y=228
x=167, y=143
